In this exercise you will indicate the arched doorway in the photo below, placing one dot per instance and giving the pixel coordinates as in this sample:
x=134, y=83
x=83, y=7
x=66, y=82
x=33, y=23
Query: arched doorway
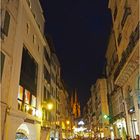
x=22, y=132
x=21, y=136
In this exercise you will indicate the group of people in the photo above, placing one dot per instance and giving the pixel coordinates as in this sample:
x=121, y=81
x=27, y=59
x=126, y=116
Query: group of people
x=127, y=138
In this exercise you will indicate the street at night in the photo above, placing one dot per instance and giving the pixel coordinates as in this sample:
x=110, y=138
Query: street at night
x=70, y=70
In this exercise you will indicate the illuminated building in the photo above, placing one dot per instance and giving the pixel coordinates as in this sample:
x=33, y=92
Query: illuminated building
x=22, y=41
x=75, y=106
x=66, y=118
x=126, y=77
x=100, y=120
x=88, y=117
x=115, y=96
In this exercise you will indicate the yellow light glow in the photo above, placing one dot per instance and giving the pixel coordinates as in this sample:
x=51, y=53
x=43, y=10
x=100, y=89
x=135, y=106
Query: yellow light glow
x=68, y=122
x=27, y=108
x=38, y=113
x=33, y=113
x=49, y=106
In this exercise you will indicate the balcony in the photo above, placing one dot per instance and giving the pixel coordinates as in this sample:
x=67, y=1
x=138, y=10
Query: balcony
x=130, y=59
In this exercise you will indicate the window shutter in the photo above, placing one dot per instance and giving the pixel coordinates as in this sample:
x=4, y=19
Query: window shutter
x=6, y=23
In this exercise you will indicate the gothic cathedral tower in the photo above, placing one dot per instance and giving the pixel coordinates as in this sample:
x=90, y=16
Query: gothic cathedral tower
x=75, y=105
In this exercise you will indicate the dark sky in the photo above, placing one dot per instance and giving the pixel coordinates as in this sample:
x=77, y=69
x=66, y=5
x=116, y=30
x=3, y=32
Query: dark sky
x=80, y=31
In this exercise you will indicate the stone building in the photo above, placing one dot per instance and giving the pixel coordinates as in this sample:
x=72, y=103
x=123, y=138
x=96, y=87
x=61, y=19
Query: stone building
x=22, y=41
x=126, y=28
x=101, y=112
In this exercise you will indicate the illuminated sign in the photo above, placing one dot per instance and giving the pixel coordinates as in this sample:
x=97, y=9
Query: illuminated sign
x=20, y=92
x=33, y=102
x=27, y=97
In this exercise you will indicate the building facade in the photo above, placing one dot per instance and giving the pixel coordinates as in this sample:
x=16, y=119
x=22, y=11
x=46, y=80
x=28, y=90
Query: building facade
x=100, y=116
x=114, y=93
x=126, y=75
x=22, y=51
x=30, y=75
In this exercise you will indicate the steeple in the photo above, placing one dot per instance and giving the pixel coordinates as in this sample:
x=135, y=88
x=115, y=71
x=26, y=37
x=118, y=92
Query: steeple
x=72, y=100
x=75, y=104
x=76, y=98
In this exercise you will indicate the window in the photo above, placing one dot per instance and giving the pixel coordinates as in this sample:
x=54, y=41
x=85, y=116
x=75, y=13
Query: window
x=29, y=72
x=139, y=82
x=27, y=28
x=34, y=39
x=115, y=12
x=46, y=56
x=136, y=33
x=2, y=59
x=29, y=3
x=45, y=97
x=38, y=48
x=119, y=38
x=46, y=74
x=6, y=23
x=127, y=12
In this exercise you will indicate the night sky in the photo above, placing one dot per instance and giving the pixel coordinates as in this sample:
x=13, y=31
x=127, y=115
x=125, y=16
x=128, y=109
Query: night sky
x=80, y=31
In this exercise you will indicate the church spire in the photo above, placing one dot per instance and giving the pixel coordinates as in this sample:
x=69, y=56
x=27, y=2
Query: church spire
x=72, y=100
x=76, y=98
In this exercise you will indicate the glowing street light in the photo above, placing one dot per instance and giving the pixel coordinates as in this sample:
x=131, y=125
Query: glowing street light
x=67, y=122
x=105, y=116
x=81, y=123
x=50, y=106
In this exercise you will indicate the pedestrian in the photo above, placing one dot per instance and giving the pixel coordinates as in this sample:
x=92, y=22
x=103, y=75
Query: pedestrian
x=128, y=137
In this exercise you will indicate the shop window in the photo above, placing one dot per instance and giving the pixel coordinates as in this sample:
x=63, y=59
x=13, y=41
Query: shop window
x=2, y=59
x=33, y=101
x=26, y=101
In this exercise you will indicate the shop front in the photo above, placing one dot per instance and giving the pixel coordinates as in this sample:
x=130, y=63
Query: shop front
x=119, y=127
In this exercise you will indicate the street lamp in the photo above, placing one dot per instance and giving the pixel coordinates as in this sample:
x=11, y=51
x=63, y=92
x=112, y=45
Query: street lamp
x=48, y=104
x=67, y=122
